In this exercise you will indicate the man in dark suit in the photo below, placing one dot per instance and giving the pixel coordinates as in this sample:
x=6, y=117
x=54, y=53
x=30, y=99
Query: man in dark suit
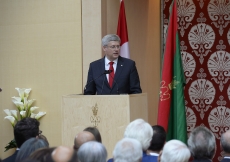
x=202, y=144
x=23, y=130
x=112, y=74
x=225, y=144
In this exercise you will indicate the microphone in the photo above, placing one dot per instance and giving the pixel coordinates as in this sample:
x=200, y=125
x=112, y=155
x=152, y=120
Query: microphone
x=105, y=72
x=103, y=83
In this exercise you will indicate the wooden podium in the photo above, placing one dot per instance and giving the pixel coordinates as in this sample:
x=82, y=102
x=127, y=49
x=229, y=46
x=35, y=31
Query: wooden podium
x=109, y=113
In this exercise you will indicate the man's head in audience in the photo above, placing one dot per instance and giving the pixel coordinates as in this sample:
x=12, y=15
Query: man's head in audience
x=81, y=138
x=95, y=132
x=202, y=143
x=225, y=142
x=141, y=131
x=64, y=154
x=175, y=151
x=92, y=151
x=158, y=139
x=128, y=150
x=25, y=129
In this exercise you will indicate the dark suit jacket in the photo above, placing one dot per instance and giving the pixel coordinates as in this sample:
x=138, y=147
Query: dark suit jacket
x=201, y=160
x=225, y=160
x=126, y=79
x=145, y=158
x=11, y=158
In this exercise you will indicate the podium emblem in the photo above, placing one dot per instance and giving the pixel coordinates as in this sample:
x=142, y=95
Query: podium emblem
x=94, y=118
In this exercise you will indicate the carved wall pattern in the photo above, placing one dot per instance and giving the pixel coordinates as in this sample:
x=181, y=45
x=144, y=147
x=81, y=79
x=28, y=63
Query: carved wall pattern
x=204, y=31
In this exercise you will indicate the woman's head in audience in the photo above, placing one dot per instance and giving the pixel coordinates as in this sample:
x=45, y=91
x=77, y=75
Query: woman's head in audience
x=95, y=132
x=43, y=154
x=29, y=147
x=141, y=131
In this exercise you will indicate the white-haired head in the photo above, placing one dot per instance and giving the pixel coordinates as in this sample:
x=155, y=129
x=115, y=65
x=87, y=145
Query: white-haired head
x=175, y=150
x=108, y=38
x=92, y=151
x=141, y=131
x=127, y=150
x=202, y=143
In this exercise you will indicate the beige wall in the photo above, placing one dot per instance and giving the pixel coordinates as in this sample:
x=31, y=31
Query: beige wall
x=40, y=48
x=47, y=46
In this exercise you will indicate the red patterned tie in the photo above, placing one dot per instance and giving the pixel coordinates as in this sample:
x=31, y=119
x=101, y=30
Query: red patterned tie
x=111, y=75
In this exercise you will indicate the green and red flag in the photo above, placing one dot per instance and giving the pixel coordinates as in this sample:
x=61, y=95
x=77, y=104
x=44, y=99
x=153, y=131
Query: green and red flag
x=171, y=108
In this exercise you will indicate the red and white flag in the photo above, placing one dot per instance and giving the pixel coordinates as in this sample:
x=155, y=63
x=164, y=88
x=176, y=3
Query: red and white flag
x=122, y=32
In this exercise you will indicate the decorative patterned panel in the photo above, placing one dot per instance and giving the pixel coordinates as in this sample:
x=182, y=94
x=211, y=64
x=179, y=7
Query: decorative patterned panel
x=204, y=30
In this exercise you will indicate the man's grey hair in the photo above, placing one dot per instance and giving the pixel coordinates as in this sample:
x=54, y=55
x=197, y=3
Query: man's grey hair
x=127, y=150
x=92, y=151
x=202, y=143
x=175, y=150
x=225, y=141
x=141, y=131
x=108, y=38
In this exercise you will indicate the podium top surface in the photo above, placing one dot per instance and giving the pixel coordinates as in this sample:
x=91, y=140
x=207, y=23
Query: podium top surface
x=121, y=95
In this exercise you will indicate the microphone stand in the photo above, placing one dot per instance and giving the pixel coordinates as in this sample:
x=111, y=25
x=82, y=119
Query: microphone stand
x=105, y=72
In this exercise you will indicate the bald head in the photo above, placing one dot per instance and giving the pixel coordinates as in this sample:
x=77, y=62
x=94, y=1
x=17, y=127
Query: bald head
x=82, y=138
x=225, y=142
x=62, y=153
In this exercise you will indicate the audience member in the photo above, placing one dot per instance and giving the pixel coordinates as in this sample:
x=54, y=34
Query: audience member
x=81, y=138
x=175, y=151
x=43, y=155
x=225, y=144
x=92, y=151
x=158, y=140
x=127, y=150
x=142, y=132
x=29, y=147
x=95, y=132
x=41, y=136
x=23, y=130
x=64, y=154
x=202, y=144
